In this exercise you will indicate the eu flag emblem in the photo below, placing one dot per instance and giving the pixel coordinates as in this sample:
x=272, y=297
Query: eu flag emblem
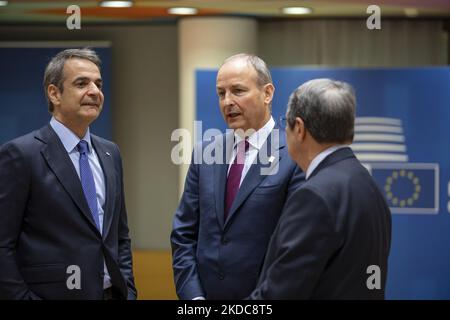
x=408, y=187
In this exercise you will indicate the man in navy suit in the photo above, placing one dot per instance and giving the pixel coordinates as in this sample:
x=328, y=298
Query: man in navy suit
x=333, y=238
x=63, y=222
x=230, y=207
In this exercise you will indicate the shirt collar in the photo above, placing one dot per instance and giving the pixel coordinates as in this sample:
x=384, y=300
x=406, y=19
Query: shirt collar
x=320, y=157
x=69, y=139
x=257, y=139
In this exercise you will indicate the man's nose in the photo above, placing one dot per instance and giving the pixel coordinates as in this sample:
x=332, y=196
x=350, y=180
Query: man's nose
x=228, y=99
x=94, y=89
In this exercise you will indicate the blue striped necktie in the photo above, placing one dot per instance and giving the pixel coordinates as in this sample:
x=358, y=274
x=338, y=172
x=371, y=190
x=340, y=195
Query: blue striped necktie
x=87, y=181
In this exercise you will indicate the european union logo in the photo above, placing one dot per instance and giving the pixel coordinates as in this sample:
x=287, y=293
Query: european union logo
x=408, y=187
x=379, y=144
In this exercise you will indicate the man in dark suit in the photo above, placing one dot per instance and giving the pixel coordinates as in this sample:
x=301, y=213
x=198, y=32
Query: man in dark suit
x=230, y=206
x=333, y=238
x=63, y=222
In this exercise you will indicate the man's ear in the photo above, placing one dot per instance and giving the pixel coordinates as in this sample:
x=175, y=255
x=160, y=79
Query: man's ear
x=269, y=89
x=299, y=129
x=54, y=95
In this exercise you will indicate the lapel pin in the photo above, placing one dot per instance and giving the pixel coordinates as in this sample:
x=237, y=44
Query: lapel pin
x=107, y=153
x=271, y=159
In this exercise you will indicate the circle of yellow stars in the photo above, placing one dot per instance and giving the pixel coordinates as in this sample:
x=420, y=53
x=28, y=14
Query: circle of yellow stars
x=402, y=174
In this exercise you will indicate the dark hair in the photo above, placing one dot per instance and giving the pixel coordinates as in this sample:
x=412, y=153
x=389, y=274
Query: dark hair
x=54, y=72
x=327, y=108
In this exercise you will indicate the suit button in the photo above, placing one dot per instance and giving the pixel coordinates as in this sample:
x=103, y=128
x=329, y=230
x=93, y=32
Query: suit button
x=225, y=241
x=221, y=276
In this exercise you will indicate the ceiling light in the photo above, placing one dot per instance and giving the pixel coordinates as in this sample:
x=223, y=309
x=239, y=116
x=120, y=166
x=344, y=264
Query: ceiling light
x=411, y=12
x=296, y=10
x=116, y=4
x=182, y=10
x=3, y=3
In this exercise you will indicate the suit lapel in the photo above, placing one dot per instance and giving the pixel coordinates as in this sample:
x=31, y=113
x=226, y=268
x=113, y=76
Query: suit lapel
x=60, y=163
x=106, y=162
x=256, y=174
x=220, y=175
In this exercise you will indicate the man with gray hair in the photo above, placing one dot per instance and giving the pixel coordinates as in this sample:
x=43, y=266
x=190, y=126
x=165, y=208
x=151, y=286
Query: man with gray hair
x=63, y=222
x=229, y=209
x=333, y=238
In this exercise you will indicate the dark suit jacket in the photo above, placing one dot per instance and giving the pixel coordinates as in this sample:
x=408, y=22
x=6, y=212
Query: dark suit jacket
x=220, y=259
x=332, y=229
x=46, y=225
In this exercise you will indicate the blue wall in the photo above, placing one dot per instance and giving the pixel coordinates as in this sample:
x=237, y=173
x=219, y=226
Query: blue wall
x=23, y=107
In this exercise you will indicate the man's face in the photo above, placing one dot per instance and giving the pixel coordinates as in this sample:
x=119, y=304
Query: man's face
x=294, y=142
x=243, y=103
x=81, y=101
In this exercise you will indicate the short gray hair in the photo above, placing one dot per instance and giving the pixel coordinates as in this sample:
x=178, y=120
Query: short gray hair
x=54, y=72
x=262, y=71
x=327, y=108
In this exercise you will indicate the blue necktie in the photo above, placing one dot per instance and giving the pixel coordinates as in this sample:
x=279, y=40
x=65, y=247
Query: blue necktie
x=87, y=181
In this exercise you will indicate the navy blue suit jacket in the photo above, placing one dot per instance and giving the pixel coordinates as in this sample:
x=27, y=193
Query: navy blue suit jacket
x=46, y=224
x=220, y=259
x=333, y=228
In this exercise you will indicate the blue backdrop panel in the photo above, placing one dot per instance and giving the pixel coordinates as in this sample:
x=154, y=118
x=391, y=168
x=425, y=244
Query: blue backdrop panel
x=417, y=190
x=23, y=107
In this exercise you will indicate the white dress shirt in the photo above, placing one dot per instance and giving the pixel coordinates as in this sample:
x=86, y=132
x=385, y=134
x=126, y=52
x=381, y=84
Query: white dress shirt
x=256, y=141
